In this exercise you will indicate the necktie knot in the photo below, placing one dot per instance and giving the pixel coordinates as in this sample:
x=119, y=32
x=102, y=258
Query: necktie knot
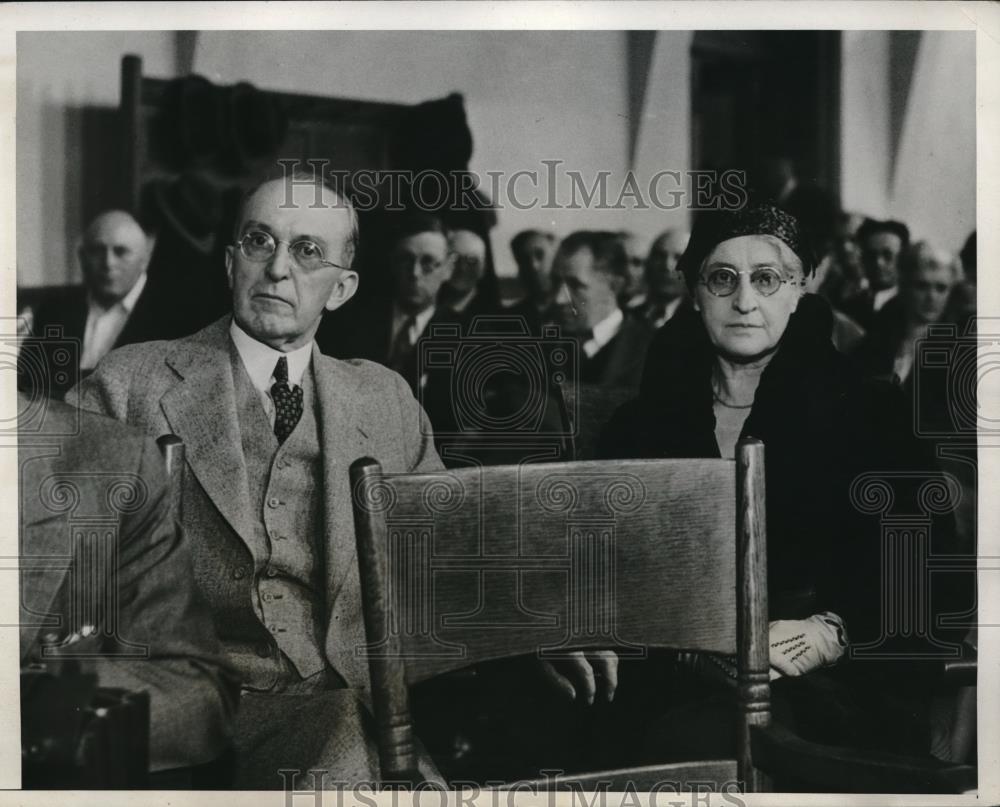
x=287, y=401
x=281, y=370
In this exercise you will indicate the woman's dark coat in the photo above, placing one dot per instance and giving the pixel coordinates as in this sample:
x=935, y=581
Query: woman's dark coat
x=822, y=425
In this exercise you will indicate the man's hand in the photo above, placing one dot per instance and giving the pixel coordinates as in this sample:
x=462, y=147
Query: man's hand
x=798, y=646
x=584, y=675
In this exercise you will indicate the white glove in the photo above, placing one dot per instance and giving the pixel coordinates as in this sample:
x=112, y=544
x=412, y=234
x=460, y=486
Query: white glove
x=798, y=646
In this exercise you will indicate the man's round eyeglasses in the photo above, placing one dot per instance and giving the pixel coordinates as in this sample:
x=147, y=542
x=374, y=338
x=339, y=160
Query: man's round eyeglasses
x=722, y=282
x=260, y=246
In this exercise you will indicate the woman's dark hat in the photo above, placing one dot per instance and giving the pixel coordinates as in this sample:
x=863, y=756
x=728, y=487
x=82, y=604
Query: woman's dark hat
x=714, y=227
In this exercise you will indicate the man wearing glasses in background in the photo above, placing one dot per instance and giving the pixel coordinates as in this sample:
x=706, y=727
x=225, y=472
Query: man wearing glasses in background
x=420, y=263
x=271, y=426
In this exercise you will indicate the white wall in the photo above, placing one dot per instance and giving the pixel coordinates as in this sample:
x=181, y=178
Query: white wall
x=933, y=186
x=935, y=180
x=529, y=95
x=665, y=135
x=865, y=140
x=59, y=73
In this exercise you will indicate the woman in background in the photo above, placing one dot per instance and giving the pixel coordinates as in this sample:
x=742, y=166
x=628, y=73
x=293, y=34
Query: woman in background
x=754, y=357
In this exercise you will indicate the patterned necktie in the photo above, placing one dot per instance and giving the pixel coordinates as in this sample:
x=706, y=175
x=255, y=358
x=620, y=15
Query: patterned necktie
x=287, y=401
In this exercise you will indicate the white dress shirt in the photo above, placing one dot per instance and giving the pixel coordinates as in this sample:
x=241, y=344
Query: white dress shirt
x=604, y=332
x=104, y=325
x=260, y=360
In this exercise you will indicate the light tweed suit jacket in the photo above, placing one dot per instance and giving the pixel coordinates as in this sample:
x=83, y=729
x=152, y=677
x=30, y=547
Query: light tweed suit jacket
x=185, y=387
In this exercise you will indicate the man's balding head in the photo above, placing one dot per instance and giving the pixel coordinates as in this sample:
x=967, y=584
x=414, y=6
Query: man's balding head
x=291, y=260
x=663, y=280
x=114, y=255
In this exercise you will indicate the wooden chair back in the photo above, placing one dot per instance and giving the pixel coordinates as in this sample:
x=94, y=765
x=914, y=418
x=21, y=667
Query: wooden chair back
x=476, y=564
x=588, y=408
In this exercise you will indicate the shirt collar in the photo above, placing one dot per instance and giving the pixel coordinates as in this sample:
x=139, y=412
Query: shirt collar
x=126, y=303
x=882, y=297
x=668, y=312
x=460, y=306
x=259, y=359
x=607, y=328
x=420, y=320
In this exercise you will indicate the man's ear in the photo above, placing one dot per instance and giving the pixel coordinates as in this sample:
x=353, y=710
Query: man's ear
x=343, y=290
x=229, y=265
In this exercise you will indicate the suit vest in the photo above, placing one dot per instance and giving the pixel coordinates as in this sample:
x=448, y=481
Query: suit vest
x=286, y=497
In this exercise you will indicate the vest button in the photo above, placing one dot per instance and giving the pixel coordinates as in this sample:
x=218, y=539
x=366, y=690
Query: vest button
x=272, y=572
x=238, y=574
x=273, y=502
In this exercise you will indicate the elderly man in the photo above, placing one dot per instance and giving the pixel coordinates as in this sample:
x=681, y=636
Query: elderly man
x=590, y=270
x=420, y=263
x=665, y=286
x=634, y=294
x=461, y=293
x=533, y=252
x=113, y=306
x=161, y=640
x=926, y=277
x=271, y=427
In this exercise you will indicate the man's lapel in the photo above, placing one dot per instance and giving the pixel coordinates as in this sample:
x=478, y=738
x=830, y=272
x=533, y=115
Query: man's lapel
x=344, y=438
x=201, y=410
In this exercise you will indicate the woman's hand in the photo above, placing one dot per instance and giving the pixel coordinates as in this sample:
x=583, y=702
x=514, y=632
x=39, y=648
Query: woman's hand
x=584, y=675
x=799, y=646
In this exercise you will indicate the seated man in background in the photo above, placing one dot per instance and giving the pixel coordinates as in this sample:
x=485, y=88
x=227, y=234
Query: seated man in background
x=634, y=293
x=462, y=293
x=113, y=307
x=881, y=243
x=926, y=277
x=271, y=428
x=420, y=263
x=665, y=287
x=589, y=271
x=533, y=252
x=78, y=471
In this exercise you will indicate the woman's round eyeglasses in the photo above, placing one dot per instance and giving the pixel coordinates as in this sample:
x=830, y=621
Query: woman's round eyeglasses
x=723, y=281
x=260, y=246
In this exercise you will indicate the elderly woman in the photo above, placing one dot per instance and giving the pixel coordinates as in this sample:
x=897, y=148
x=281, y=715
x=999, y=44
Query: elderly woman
x=754, y=357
